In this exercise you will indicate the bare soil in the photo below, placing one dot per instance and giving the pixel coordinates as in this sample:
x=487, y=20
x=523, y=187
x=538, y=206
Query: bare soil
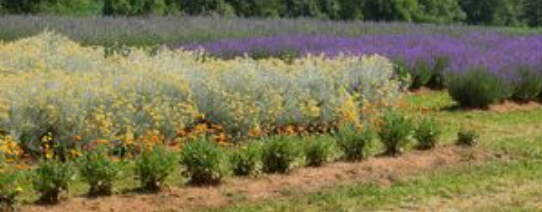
x=510, y=106
x=380, y=170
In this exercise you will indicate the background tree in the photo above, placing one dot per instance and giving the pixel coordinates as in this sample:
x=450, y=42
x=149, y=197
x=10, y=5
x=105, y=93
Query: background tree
x=256, y=8
x=493, y=12
x=390, y=10
x=351, y=9
x=331, y=8
x=207, y=7
x=533, y=12
x=440, y=11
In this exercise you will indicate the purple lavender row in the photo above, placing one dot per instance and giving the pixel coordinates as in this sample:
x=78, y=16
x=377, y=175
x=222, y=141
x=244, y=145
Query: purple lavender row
x=497, y=53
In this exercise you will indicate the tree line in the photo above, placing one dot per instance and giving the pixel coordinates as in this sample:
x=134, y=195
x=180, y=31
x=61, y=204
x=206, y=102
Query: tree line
x=479, y=12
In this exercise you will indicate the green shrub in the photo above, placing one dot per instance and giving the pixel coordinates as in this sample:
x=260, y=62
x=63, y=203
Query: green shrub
x=204, y=162
x=10, y=182
x=438, y=80
x=427, y=134
x=99, y=171
x=246, y=161
x=528, y=85
x=467, y=137
x=320, y=150
x=421, y=74
x=478, y=89
x=280, y=154
x=154, y=166
x=354, y=143
x=52, y=178
x=395, y=132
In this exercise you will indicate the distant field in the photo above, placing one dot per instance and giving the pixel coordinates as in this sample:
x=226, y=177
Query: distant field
x=184, y=30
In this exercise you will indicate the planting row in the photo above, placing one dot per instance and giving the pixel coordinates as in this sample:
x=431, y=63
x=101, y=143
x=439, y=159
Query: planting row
x=52, y=88
x=479, y=68
x=205, y=162
x=145, y=31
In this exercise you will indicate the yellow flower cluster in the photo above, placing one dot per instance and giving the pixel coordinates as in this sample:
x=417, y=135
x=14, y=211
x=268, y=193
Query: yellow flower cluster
x=49, y=83
x=9, y=149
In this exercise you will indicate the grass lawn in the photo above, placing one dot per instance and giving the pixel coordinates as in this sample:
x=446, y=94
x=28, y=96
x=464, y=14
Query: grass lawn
x=513, y=183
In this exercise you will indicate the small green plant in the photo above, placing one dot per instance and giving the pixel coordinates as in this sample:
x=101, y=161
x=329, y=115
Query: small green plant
x=280, y=153
x=154, y=166
x=395, y=132
x=10, y=188
x=100, y=172
x=478, y=88
x=204, y=161
x=320, y=150
x=246, y=161
x=427, y=134
x=52, y=179
x=467, y=136
x=355, y=143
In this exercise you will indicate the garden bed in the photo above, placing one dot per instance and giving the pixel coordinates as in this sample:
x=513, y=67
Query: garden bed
x=382, y=171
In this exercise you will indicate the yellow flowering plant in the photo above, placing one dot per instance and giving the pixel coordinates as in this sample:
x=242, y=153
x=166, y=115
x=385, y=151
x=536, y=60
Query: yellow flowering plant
x=49, y=83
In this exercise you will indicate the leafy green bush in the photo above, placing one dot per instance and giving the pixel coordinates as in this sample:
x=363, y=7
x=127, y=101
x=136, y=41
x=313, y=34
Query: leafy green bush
x=99, y=171
x=395, y=132
x=246, y=161
x=154, y=166
x=478, y=88
x=204, y=161
x=528, y=85
x=355, y=143
x=52, y=178
x=320, y=150
x=10, y=181
x=468, y=137
x=427, y=134
x=280, y=153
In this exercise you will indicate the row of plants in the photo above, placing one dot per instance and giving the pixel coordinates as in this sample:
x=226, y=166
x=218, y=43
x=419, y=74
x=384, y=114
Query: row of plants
x=479, y=68
x=56, y=90
x=172, y=31
x=206, y=162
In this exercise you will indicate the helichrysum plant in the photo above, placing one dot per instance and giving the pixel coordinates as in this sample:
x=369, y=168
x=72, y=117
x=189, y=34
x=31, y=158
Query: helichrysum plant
x=319, y=150
x=281, y=153
x=247, y=160
x=100, y=171
x=204, y=161
x=427, y=134
x=395, y=132
x=129, y=95
x=154, y=166
x=354, y=142
x=53, y=178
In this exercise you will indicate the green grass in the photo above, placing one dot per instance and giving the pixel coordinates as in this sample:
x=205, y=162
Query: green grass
x=512, y=184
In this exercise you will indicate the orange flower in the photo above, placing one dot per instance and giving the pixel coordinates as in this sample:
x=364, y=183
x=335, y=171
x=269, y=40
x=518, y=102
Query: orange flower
x=77, y=138
x=101, y=141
